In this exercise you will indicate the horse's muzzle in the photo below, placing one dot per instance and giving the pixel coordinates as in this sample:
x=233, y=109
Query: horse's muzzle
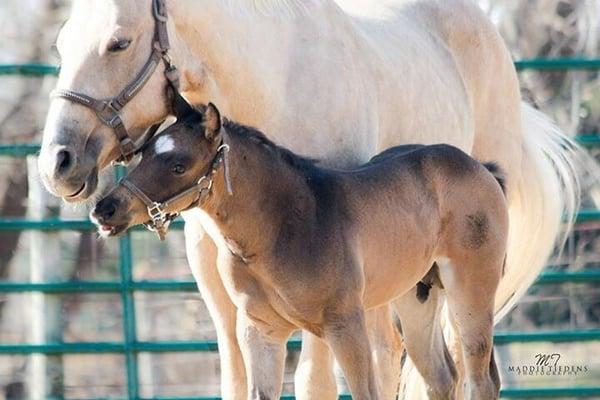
x=64, y=175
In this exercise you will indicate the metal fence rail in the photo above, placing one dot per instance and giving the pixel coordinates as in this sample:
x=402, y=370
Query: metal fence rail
x=126, y=286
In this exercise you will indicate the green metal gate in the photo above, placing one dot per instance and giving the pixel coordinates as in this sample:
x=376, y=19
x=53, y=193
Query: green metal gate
x=126, y=286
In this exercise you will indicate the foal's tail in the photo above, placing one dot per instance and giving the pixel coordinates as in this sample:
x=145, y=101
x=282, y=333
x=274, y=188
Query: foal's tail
x=497, y=173
x=541, y=212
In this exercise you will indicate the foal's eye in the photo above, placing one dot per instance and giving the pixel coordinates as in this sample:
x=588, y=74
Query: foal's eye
x=178, y=169
x=117, y=45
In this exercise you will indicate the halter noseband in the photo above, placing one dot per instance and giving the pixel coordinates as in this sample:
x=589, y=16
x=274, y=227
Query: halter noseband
x=109, y=110
x=161, y=214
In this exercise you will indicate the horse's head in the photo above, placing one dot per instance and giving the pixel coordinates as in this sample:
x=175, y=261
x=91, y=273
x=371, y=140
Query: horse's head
x=113, y=73
x=175, y=172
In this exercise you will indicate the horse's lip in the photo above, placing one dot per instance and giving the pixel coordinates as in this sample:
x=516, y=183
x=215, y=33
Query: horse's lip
x=78, y=192
x=86, y=189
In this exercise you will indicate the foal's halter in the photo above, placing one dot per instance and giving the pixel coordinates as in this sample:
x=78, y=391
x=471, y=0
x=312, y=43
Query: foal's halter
x=109, y=110
x=161, y=214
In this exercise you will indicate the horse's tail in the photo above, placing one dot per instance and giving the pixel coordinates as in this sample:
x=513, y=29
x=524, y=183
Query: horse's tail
x=545, y=205
x=541, y=214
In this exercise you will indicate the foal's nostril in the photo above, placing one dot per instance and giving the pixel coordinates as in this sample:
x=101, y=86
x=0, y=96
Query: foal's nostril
x=65, y=161
x=105, y=210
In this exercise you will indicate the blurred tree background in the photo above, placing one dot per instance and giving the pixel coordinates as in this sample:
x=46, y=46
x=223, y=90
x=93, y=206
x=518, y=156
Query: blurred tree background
x=531, y=28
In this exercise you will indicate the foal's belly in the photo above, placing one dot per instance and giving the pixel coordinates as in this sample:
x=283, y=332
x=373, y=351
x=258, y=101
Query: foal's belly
x=396, y=253
x=385, y=280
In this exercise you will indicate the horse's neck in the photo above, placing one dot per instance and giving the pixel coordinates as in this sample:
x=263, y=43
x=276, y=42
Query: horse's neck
x=240, y=59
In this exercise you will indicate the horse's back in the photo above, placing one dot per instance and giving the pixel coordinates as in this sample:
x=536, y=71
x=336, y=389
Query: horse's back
x=447, y=72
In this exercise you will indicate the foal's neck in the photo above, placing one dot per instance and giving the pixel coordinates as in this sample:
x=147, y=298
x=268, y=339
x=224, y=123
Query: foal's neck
x=269, y=189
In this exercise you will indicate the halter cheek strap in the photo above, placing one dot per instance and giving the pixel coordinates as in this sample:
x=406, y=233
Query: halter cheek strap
x=163, y=213
x=109, y=110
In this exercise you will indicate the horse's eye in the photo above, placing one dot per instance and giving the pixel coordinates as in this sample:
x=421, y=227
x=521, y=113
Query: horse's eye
x=117, y=45
x=178, y=169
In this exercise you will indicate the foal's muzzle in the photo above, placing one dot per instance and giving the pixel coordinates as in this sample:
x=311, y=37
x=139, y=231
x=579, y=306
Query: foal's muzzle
x=106, y=214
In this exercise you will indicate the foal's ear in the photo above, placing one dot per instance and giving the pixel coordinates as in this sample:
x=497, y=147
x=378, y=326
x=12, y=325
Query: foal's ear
x=181, y=108
x=212, y=122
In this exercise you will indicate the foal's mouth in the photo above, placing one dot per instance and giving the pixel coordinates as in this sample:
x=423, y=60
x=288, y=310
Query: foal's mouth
x=111, y=231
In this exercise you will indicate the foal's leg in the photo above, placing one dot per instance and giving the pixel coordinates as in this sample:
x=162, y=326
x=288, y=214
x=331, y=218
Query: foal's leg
x=264, y=349
x=202, y=255
x=346, y=334
x=424, y=342
x=470, y=289
x=387, y=347
x=314, y=378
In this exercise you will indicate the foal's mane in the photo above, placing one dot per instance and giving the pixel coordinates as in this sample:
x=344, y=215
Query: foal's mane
x=258, y=138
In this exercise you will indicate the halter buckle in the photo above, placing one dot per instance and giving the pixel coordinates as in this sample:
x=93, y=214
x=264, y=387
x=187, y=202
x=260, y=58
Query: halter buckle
x=156, y=212
x=109, y=115
x=160, y=220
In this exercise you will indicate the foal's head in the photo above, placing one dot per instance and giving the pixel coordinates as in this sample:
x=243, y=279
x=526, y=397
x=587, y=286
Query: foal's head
x=172, y=162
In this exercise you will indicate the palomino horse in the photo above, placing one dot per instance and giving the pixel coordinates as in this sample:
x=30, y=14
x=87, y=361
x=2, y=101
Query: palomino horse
x=312, y=248
x=338, y=80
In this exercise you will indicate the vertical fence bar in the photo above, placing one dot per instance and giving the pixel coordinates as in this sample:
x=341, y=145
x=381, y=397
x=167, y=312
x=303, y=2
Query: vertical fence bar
x=127, y=300
x=129, y=324
x=45, y=372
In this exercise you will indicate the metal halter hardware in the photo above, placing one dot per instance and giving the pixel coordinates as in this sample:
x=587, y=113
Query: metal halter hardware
x=160, y=213
x=109, y=110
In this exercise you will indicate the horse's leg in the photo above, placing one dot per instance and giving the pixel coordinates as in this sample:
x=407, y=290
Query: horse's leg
x=202, y=256
x=263, y=347
x=470, y=288
x=346, y=334
x=314, y=378
x=387, y=347
x=424, y=341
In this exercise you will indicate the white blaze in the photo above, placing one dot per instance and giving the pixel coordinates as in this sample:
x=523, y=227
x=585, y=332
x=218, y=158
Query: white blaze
x=164, y=144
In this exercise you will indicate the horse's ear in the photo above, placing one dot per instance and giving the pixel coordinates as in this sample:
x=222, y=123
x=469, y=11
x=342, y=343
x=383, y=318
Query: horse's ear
x=181, y=108
x=212, y=122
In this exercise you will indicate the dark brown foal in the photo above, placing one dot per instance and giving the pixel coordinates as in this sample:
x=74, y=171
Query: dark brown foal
x=304, y=247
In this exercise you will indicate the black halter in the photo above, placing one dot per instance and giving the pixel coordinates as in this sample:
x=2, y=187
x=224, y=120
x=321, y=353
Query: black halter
x=163, y=213
x=109, y=110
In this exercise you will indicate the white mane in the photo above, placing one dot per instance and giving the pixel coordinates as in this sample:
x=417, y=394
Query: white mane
x=291, y=8
x=288, y=8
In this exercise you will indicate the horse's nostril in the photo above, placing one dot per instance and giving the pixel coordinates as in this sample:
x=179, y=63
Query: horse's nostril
x=109, y=211
x=64, y=161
